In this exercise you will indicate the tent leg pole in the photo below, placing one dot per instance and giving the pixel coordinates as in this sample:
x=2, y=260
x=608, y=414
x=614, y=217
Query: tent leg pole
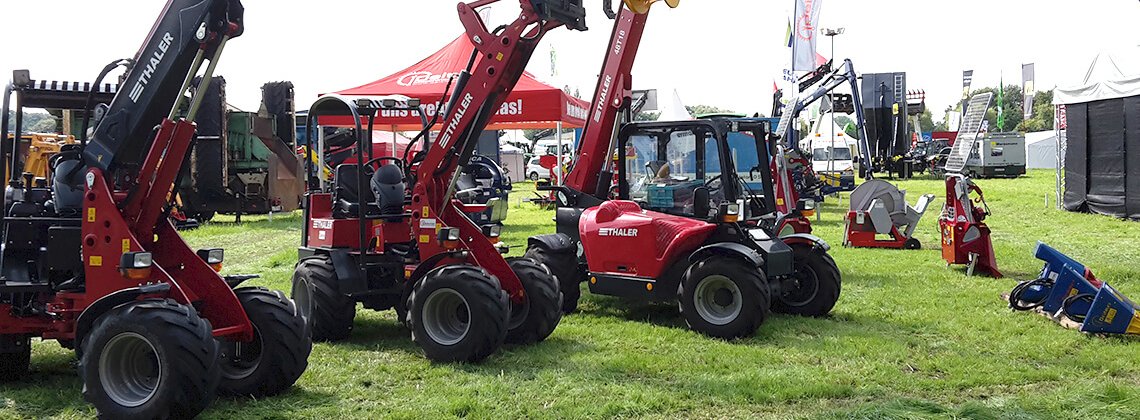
x=561, y=175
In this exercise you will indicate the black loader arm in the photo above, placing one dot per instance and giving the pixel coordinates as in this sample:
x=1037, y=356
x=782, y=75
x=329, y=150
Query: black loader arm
x=153, y=83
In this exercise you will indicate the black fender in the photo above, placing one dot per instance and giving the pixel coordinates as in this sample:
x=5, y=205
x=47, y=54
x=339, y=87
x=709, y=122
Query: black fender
x=555, y=243
x=731, y=250
x=348, y=272
x=106, y=303
x=806, y=239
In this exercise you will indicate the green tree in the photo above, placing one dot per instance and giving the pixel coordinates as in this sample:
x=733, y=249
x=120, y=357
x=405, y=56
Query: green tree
x=34, y=122
x=646, y=116
x=698, y=110
x=1042, y=114
x=926, y=121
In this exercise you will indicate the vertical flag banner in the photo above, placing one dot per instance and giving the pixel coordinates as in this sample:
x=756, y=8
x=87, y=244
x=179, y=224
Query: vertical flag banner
x=805, y=34
x=967, y=79
x=1001, y=105
x=1027, y=89
x=553, y=62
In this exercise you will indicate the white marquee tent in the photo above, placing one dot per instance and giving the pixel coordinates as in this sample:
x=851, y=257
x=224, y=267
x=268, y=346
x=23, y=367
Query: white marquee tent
x=1041, y=150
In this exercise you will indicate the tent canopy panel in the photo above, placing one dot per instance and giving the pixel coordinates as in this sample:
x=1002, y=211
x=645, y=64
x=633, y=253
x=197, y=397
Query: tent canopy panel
x=1076, y=158
x=1106, y=157
x=531, y=104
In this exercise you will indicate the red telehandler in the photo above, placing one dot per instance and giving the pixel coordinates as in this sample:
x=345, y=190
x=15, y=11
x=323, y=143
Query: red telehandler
x=91, y=259
x=390, y=232
x=685, y=225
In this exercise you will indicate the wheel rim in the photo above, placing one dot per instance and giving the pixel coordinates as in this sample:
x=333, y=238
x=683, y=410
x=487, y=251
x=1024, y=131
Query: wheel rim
x=717, y=300
x=804, y=286
x=446, y=316
x=129, y=369
x=519, y=313
x=303, y=296
x=239, y=359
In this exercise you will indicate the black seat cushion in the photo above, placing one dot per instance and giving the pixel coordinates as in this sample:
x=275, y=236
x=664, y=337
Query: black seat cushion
x=387, y=186
x=347, y=194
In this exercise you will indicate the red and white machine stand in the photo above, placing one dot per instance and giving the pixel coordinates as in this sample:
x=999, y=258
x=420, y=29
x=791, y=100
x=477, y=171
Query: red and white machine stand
x=965, y=236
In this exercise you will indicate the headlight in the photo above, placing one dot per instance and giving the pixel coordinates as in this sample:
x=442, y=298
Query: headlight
x=212, y=256
x=492, y=231
x=449, y=234
x=136, y=260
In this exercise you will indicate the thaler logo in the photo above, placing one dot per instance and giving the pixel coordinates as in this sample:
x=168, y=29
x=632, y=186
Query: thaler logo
x=322, y=224
x=628, y=232
x=603, y=96
x=151, y=66
x=463, y=105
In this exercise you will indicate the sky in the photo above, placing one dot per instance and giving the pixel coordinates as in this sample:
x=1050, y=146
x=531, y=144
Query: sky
x=724, y=53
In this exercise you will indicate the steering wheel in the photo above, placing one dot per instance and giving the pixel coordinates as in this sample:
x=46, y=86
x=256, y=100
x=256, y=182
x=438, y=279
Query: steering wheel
x=372, y=164
x=709, y=184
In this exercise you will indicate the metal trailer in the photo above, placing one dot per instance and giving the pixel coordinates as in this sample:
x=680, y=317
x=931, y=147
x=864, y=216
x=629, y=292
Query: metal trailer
x=997, y=155
x=243, y=162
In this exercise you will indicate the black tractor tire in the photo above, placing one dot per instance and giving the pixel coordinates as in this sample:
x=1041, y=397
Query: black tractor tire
x=912, y=243
x=14, y=361
x=279, y=352
x=328, y=313
x=458, y=313
x=819, y=284
x=724, y=298
x=564, y=266
x=536, y=318
x=150, y=359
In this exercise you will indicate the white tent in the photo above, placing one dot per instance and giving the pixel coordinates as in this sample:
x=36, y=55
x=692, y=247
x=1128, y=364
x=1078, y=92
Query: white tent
x=1041, y=150
x=512, y=159
x=1101, y=144
x=1109, y=76
x=674, y=109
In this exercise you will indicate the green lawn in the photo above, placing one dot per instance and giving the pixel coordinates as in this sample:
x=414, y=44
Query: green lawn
x=910, y=338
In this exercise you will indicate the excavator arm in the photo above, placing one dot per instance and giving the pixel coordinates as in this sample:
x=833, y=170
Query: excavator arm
x=845, y=74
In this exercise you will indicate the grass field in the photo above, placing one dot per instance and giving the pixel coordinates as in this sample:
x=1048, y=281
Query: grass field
x=909, y=338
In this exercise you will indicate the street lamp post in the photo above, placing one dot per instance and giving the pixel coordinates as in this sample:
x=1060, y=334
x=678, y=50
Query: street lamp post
x=832, y=33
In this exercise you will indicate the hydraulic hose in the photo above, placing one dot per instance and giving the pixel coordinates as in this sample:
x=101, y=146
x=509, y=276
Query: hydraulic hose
x=1069, y=301
x=1015, y=296
x=126, y=62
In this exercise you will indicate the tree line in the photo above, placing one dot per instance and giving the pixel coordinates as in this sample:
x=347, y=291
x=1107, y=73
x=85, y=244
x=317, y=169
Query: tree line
x=34, y=122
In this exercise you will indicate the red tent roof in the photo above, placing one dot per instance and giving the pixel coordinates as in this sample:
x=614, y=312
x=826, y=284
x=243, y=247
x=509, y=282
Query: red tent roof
x=532, y=104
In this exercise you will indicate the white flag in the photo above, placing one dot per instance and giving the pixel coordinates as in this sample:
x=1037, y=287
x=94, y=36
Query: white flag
x=805, y=32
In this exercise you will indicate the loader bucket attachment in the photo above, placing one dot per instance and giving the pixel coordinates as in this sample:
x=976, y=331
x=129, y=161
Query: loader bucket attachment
x=1111, y=313
x=1069, y=282
x=641, y=7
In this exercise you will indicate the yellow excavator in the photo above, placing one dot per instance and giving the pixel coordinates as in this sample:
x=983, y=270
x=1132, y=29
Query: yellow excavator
x=36, y=149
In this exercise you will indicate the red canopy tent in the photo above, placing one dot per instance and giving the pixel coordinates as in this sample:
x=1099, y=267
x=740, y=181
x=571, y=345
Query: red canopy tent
x=532, y=104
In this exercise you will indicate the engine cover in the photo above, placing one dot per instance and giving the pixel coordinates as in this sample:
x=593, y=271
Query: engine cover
x=619, y=238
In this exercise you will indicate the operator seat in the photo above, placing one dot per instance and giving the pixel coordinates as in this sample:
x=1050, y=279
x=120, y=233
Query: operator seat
x=347, y=195
x=68, y=172
x=387, y=186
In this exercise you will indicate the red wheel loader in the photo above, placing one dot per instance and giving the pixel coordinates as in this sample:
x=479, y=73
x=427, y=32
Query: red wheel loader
x=91, y=259
x=686, y=223
x=390, y=232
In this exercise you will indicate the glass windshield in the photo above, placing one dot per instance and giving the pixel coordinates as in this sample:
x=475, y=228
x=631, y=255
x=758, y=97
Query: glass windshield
x=664, y=169
x=822, y=154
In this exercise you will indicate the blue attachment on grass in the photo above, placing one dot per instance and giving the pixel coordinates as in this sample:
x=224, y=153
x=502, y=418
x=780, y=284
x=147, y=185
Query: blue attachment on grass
x=1054, y=261
x=1111, y=313
x=1069, y=282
